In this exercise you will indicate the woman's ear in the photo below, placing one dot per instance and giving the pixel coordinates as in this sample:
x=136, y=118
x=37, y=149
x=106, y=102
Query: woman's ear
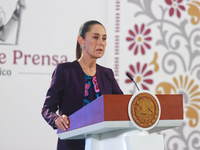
x=81, y=41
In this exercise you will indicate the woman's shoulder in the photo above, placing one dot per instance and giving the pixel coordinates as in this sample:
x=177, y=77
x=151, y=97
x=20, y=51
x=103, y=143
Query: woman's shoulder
x=103, y=68
x=68, y=65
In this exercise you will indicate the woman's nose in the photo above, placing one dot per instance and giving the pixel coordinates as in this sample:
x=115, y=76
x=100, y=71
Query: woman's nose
x=101, y=41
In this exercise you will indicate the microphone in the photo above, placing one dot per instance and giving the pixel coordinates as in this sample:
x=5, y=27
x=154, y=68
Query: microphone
x=108, y=79
x=132, y=80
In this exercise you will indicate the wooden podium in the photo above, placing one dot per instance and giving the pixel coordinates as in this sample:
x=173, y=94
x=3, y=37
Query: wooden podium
x=105, y=124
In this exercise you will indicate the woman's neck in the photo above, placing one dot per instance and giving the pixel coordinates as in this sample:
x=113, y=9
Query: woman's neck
x=88, y=66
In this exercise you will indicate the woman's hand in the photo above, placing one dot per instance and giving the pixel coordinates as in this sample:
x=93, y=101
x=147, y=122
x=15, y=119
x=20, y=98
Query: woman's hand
x=62, y=122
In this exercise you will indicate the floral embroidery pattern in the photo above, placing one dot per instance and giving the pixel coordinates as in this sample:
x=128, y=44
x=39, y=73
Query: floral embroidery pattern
x=96, y=87
x=87, y=86
x=139, y=38
x=92, y=90
x=141, y=75
x=175, y=7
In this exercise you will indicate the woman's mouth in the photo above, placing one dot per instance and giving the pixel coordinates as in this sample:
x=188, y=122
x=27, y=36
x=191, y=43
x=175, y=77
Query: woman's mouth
x=99, y=50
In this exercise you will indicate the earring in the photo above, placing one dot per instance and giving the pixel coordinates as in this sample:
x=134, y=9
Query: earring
x=82, y=47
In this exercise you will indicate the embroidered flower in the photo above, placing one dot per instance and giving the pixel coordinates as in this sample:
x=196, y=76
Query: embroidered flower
x=139, y=39
x=96, y=87
x=175, y=6
x=86, y=88
x=141, y=75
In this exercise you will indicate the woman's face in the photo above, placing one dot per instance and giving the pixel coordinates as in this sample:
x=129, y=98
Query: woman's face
x=95, y=41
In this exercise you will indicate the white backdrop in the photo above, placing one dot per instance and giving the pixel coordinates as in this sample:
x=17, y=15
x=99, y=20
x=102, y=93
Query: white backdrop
x=49, y=28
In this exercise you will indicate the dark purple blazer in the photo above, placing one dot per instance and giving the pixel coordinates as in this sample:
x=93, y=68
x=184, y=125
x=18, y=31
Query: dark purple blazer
x=66, y=94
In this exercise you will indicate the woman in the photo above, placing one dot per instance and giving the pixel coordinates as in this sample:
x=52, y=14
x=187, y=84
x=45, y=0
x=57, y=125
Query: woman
x=75, y=84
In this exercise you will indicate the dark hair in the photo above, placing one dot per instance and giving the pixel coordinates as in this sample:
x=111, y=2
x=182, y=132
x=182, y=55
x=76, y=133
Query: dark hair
x=82, y=31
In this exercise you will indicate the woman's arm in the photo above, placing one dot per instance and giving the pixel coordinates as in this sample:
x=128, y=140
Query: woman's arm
x=53, y=97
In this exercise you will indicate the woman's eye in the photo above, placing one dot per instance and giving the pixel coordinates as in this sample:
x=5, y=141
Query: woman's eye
x=95, y=37
x=104, y=39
